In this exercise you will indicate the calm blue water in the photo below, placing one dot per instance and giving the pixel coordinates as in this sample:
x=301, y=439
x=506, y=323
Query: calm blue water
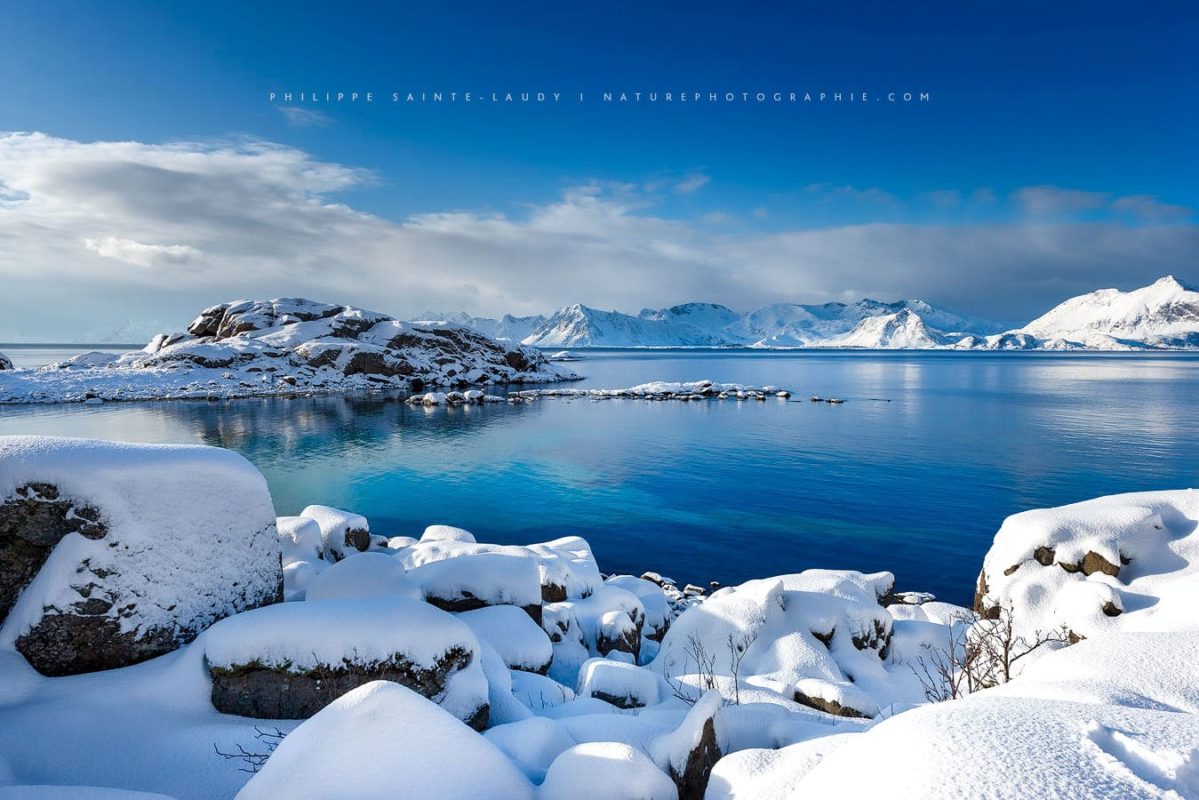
x=915, y=482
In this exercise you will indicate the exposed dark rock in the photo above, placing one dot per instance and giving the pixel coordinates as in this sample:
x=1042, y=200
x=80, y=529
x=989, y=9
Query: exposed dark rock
x=552, y=593
x=629, y=641
x=1092, y=562
x=468, y=602
x=626, y=701
x=253, y=690
x=693, y=781
x=827, y=706
x=825, y=638
x=358, y=538
x=980, y=592
x=1043, y=555
x=88, y=641
x=1111, y=609
x=32, y=521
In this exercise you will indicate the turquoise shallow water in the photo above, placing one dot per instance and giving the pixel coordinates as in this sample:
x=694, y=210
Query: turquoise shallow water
x=913, y=474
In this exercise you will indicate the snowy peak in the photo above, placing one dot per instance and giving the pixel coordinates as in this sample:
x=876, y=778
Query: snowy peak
x=581, y=326
x=902, y=330
x=1162, y=314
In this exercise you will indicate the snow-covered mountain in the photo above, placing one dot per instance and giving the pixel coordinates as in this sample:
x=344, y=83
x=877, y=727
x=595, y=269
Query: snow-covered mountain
x=508, y=327
x=581, y=326
x=866, y=323
x=1163, y=314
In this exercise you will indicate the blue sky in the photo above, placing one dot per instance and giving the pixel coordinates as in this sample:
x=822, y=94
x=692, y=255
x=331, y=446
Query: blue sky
x=1075, y=116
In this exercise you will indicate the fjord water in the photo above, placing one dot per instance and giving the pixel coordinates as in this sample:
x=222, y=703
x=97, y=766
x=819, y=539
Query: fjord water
x=912, y=474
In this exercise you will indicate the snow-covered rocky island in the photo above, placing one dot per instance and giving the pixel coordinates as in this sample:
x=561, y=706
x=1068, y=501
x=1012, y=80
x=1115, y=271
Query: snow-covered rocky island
x=164, y=633
x=285, y=346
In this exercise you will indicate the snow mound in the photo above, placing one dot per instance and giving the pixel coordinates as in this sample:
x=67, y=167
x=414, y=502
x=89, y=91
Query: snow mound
x=285, y=346
x=481, y=579
x=532, y=743
x=362, y=577
x=384, y=740
x=605, y=770
x=280, y=661
x=1120, y=563
x=129, y=550
x=519, y=641
x=446, y=533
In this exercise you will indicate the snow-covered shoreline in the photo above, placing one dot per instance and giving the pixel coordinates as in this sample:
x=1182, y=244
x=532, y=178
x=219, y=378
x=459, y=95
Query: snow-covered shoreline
x=407, y=654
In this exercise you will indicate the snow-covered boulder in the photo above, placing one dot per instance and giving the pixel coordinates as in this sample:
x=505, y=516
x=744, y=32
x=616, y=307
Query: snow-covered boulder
x=819, y=638
x=111, y=553
x=5, y=362
x=622, y=685
x=688, y=753
x=481, y=579
x=1119, y=563
x=653, y=600
x=605, y=770
x=288, y=661
x=384, y=740
x=342, y=532
x=364, y=576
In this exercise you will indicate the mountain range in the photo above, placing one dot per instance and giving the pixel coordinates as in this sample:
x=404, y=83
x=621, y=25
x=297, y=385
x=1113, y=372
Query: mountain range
x=1163, y=315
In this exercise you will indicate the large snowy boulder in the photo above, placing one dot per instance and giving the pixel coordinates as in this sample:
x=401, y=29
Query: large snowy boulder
x=384, y=740
x=481, y=579
x=288, y=661
x=342, y=532
x=518, y=640
x=111, y=553
x=1119, y=563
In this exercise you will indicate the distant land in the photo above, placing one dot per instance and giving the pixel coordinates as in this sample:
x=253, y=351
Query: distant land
x=1163, y=315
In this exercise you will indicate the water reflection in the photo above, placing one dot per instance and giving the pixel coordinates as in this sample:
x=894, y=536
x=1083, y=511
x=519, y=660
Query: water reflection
x=723, y=490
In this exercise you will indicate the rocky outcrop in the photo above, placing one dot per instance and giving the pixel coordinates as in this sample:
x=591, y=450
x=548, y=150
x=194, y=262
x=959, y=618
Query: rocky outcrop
x=300, y=338
x=5, y=362
x=111, y=554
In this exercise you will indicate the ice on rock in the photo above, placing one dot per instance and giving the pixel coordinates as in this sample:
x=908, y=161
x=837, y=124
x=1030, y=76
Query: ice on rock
x=342, y=532
x=532, y=744
x=605, y=770
x=447, y=533
x=520, y=641
x=1120, y=563
x=286, y=661
x=384, y=740
x=622, y=685
x=363, y=576
x=123, y=552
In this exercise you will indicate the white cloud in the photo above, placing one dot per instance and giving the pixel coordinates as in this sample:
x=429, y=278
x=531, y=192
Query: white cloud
x=1054, y=200
x=298, y=117
x=222, y=220
x=692, y=183
x=140, y=253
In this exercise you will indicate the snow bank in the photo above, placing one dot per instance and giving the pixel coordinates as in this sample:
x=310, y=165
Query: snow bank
x=384, y=740
x=143, y=547
x=288, y=346
x=604, y=770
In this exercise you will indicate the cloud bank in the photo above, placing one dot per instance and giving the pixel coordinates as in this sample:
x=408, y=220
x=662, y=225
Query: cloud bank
x=95, y=234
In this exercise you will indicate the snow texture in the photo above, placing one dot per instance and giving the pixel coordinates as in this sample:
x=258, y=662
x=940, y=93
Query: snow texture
x=605, y=770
